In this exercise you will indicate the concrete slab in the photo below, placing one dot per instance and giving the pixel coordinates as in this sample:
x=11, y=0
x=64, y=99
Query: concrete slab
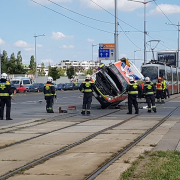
x=6, y=166
x=105, y=143
x=25, y=152
x=70, y=165
x=58, y=138
x=137, y=124
x=9, y=138
x=167, y=144
x=47, y=127
x=101, y=122
x=42, y=177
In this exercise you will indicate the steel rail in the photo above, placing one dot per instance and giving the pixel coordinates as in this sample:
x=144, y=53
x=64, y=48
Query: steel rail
x=101, y=169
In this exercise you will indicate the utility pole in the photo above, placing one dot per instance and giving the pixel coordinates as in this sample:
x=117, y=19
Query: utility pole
x=145, y=32
x=177, y=62
x=116, y=33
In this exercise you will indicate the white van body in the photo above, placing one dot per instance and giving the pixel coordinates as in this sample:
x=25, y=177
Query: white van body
x=21, y=81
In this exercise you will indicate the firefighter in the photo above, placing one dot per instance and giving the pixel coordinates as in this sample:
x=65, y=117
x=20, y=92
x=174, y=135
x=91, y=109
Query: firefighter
x=149, y=91
x=160, y=90
x=87, y=88
x=49, y=93
x=5, y=95
x=164, y=87
x=133, y=89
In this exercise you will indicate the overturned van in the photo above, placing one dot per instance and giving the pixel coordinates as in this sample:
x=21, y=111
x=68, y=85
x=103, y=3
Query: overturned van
x=111, y=82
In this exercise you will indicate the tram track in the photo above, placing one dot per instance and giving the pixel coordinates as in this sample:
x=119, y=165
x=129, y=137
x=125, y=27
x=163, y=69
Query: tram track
x=131, y=145
x=33, y=163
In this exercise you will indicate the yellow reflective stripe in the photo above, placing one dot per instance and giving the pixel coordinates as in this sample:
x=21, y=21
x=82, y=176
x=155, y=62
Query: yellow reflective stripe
x=149, y=93
x=88, y=90
x=4, y=94
x=132, y=92
x=101, y=65
x=101, y=93
x=48, y=94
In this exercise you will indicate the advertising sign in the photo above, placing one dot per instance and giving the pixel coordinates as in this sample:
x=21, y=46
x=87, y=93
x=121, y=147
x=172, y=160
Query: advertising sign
x=168, y=58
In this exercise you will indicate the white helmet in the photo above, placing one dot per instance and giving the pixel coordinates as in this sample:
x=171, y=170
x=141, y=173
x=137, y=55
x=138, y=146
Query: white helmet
x=49, y=79
x=131, y=78
x=3, y=76
x=147, y=79
x=88, y=76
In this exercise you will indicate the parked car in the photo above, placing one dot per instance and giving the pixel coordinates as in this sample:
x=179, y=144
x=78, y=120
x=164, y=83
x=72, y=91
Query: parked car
x=20, y=88
x=36, y=87
x=14, y=90
x=76, y=86
x=60, y=86
x=68, y=86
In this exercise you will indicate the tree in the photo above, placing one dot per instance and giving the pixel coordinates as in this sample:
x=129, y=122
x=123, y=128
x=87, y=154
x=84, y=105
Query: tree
x=70, y=72
x=61, y=71
x=32, y=65
x=53, y=72
x=19, y=58
x=89, y=71
x=4, y=61
x=41, y=71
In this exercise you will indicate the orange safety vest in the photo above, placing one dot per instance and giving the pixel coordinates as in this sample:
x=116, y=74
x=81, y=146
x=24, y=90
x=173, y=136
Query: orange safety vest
x=159, y=86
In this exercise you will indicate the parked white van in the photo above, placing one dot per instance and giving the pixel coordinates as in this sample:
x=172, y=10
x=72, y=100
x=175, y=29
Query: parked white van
x=21, y=81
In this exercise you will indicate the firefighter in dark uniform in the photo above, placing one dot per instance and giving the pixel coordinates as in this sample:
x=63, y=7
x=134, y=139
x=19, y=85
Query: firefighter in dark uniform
x=133, y=89
x=160, y=90
x=87, y=88
x=49, y=93
x=5, y=95
x=149, y=91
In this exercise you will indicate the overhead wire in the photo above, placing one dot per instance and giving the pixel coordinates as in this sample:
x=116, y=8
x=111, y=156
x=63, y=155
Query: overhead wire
x=79, y=13
x=165, y=14
x=119, y=24
x=71, y=18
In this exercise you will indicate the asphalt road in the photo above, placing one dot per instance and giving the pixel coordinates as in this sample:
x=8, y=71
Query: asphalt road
x=32, y=106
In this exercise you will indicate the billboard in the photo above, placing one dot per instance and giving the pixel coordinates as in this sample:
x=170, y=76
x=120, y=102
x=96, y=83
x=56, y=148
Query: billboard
x=168, y=58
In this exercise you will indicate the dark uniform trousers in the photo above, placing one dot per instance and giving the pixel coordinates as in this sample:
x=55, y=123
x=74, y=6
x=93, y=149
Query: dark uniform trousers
x=49, y=103
x=7, y=102
x=150, y=99
x=132, y=100
x=87, y=99
x=159, y=94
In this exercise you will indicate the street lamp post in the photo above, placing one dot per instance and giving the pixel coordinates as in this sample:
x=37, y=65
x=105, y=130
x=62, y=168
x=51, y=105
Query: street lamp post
x=177, y=62
x=92, y=49
x=35, y=36
x=145, y=32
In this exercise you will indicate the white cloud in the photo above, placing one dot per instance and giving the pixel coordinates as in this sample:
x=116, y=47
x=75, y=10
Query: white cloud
x=29, y=49
x=21, y=44
x=59, y=36
x=47, y=61
x=123, y=5
x=166, y=8
x=39, y=45
x=90, y=40
x=1, y=41
x=67, y=47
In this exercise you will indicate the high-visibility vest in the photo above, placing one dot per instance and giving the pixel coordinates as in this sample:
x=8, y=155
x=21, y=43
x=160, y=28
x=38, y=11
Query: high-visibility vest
x=133, y=88
x=164, y=84
x=159, y=86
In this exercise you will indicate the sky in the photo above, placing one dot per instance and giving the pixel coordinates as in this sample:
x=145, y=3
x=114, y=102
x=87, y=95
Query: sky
x=74, y=28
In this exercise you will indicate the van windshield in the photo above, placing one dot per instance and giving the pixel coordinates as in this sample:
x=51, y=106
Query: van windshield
x=15, y=82
x=26, y=81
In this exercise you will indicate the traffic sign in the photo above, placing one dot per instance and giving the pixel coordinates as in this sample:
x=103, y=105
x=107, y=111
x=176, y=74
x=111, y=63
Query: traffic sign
x=104, y=53
x=107, y=46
